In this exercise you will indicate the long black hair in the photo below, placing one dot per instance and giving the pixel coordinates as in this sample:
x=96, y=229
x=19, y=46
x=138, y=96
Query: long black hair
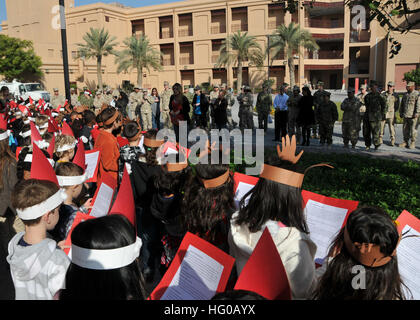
x=270, y=200
x=364, y=225
x=126, y=283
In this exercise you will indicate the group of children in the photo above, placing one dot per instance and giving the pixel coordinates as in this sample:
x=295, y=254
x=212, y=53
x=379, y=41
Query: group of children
x=111, y=258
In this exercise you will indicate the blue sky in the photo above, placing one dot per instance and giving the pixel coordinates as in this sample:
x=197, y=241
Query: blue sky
x=131, y=3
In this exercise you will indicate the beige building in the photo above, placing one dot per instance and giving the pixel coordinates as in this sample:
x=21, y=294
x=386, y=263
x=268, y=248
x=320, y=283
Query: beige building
x=189, y=34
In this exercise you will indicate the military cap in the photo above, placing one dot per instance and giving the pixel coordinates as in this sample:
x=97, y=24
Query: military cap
x=216, y=86
x=165, y=83
x=197, y=88
x=391, y=84
x=320, y=83
x=363, y=86
x=115, y=93
x=71, y=89
x=55, y=89
x=137, y=87
x=411, y=84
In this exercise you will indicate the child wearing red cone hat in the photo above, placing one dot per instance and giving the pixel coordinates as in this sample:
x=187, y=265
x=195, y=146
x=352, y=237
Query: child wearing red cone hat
x=64, y=148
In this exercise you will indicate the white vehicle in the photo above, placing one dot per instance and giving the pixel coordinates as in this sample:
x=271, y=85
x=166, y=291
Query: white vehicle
x=25, y=90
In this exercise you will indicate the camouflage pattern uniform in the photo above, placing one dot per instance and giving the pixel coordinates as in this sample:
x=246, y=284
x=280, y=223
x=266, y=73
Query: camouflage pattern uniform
x=57, y=100
x=246, y=102
x=393, y=104
x=74, y=99
x=292, y=106
x=145, y=111
x=264, y=104
x=164, y=108
x=230, y=102
x=351, y=121
x=327, y=114
x=361, y=96
x=108, y=96
x=410, y=111
x=135, y=99
x=98, y=101
x=375, y=113
x=87, y=101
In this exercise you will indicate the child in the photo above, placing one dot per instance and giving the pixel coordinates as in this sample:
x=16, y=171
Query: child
x=366, y=225
x=89, y=120
x=327, y=114
x=71, y=178
x=41, y=123
x=64, y=148
x=107, y=277
x=277, y=204
x=24, y=164
x=38, y=267
x=132, y=151
x=24, y=136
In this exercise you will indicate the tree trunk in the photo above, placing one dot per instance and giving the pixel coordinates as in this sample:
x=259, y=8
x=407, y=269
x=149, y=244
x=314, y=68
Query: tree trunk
x=140, y=77
x=239, y=77
x=291, y=64
x=99, y=72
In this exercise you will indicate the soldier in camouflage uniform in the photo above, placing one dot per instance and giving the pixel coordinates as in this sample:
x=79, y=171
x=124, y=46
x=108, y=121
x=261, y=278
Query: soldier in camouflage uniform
x=317, y=101
x=410, y=111
x=361, y=96
x=108, y=96
x=327, y=114
x=393, y=104
x=164, y=105
x=351, y=119
x=98, y=101
x=57, y=99
x=375, y=113
x=135, y=99
x=74, y=98
x=264, y=104
x=144, y=110
x=246, y=103
x=230, y=102
x=292, y=106
x=86, y=100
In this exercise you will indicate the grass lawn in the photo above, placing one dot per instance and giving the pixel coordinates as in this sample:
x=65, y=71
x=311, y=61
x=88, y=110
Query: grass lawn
x=390, y=184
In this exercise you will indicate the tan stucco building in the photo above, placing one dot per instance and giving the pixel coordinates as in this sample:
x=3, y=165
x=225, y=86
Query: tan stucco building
x=189, y=34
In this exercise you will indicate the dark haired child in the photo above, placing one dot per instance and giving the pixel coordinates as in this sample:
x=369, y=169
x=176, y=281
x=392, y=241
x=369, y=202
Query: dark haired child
x=89, y=121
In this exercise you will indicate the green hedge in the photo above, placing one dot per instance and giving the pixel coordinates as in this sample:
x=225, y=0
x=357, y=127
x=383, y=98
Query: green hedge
x=390, y=184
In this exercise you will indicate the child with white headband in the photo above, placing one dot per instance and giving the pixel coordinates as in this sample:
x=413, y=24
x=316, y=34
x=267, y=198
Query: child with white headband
x=37, y=266
x=71, y=178
x=104, y=265
x=41, y=123
x=64, y=148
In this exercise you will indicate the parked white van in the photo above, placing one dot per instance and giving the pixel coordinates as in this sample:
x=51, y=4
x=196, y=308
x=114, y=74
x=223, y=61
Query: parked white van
x=25, y=90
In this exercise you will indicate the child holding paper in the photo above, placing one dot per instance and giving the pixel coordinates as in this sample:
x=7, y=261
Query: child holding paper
x=38, y=267
x=104, y=261
x=375, y=260
x=71, y=178
x=64, y=148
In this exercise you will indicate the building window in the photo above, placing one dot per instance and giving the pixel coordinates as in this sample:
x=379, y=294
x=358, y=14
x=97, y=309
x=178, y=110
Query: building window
x=50, y=53
x=106, y=19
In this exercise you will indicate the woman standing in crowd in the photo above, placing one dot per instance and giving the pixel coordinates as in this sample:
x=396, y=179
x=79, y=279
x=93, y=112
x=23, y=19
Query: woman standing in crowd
x=179, y=107
x=306, y=117
x=156, y=109
x=219, y=109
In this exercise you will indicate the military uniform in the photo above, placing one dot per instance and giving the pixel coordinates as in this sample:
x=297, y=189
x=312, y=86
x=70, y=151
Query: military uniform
x=264, y=104
x=317, y=101
x=57, y=100
x=86, y=100
x=375, y=113
x=292, y=106
x=245, y=114
x=135, y=99
x=164, y=107
x=361, y=96
x=410, y=111
x=108, y=96
x=393, y=103
x=145, y=112
x=98, y=102
x=351, y=121
x=327, y=114
x=74, y=99
x=230, y=102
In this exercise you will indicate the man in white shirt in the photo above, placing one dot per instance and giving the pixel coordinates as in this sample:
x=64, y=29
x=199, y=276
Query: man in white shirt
x=281, y=114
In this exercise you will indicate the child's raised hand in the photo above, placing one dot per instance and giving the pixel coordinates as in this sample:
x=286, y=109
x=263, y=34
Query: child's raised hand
x=62, y=246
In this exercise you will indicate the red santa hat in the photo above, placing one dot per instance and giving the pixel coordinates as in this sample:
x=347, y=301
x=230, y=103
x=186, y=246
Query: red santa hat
x=41, y=168
x=50, y=149
x=3, y=122
x=66, y=129
x=35, y=135
x=80, y=157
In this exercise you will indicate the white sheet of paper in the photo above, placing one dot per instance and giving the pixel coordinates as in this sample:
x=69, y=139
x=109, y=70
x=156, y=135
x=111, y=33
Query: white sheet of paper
x=171, y=151
x=197, y=278
x=241, y=191
x=102, y=201
x=141, y=144
x=91, y=161
x=324, y=222
x=408, y=255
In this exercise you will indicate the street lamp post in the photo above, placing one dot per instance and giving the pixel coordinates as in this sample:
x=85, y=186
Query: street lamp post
x=64, y=48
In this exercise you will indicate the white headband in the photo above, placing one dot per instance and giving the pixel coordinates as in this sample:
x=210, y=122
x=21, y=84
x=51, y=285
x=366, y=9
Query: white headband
x=54, y=114
x=25, y=134
x=4, y=136
x=105, y=259
x=28, y=158
x=42, y=208
x=66, y=181
x=18, y=113
x=31, y=119
x=42, y=144
x=67, y=147
x=45, y=125
x=26, y=121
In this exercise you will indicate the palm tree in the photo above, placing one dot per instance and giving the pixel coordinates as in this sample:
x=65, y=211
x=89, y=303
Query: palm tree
x=236, y=49
x=138, y=55
x=98, y=44
x=289, y=39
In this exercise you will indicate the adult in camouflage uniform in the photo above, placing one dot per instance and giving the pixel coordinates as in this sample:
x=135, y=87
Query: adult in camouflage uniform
x=145, y=110
x=57, y=99
x=214, y=94
x=230, y=102
x=361, y=96
x=318, y=99
x=135, y=99
x=86, y=100
x=351, y=119
x=410, y=111
x=246, y=103
x=393, y=104
x=108, y=96
x=98, y=101
x=264, y=104
x=74, y=98
x=292, y=106
x=375, y=113
x=327, y=114
x=164, y=105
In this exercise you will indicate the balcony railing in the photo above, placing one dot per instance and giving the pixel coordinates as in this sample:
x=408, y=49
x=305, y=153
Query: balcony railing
x=359, y=36
x=185, y=32
x=186, y=60
x=239, y=27
x=324, y=54
x=318, y=23
x=166, y=34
